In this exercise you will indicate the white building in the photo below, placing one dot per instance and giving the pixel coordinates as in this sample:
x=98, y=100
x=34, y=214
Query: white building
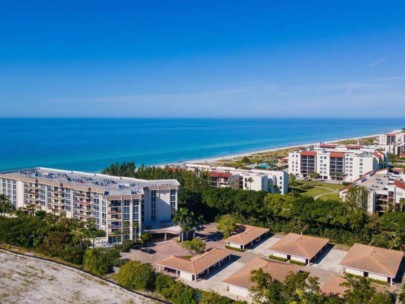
x=393, y=142
x=333, y=162
x=254, y=179
x=386, y=190
x=120, y=204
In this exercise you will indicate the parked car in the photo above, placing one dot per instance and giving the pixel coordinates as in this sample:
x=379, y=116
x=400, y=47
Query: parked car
x=148, y=250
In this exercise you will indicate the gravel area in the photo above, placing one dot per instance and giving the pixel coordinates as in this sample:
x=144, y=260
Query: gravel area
x=29, y=280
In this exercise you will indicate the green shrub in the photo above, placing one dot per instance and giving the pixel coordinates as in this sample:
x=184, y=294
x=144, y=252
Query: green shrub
x=378, y=281
x=100, y=261
x=297, y=263
x=163, y=283
x=273, y=257
x=136, y=276
x=235, y=249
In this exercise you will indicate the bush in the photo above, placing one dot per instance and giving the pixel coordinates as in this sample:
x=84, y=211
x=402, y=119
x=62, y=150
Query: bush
x=378, y=281
x=273, y=257
x=297, y=263
x=163, y=283
x=235, y=249
x=196, y=245
x=180, y=293
x=136, y=276
x=100, y=261
x=129, y=244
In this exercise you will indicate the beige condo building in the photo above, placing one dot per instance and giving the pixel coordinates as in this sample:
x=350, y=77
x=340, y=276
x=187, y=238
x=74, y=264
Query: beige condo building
x=127, y=205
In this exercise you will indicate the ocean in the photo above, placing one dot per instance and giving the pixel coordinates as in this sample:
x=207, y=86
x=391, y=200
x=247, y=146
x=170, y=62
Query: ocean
x=93, y=144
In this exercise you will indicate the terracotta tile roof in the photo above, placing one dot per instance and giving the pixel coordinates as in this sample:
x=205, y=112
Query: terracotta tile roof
x=337, y=154
x=248, y=235
x=400, y=184
x=327, y=145
x=196, y=264
x=308, y=153
x=299, y=245
x=278, y=271
x=220, y=174
x=373, y=259
x=332, y=285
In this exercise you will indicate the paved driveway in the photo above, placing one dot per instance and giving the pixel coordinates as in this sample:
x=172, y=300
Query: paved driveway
x=330, y=260
x=262, y=249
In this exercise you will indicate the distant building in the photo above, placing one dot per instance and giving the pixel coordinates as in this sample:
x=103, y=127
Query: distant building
x=372, y=262
x=333, y=162
x=386, y=190
x=120, y=204
x=393, y=142
x=224, y=180
x=253, y=179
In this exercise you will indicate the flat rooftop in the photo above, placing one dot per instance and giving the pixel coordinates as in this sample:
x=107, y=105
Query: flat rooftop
x=110, y=185
x=377, y=181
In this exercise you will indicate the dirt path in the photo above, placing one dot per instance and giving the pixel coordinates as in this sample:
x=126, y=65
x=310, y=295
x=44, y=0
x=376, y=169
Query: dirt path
x=28, y=280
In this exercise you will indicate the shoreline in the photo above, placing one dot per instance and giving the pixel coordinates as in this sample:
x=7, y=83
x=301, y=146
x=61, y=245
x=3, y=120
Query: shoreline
x=231, y=157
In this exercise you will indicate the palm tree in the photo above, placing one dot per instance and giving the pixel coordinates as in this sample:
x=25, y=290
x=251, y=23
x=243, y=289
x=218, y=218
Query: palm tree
x=186, y=220
x=31, y=208
x=250, y=181
x=5, y=205
x=135, y=233
x=78, y=235
x=117, y=235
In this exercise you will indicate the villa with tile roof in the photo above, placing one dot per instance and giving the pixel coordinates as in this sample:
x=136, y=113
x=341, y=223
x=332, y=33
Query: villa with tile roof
x=372, y=262
x=239, y=282
x=248, y=236
x=299, y=248
x=191, y=269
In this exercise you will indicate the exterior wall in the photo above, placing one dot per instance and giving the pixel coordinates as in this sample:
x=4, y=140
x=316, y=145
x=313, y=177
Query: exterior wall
x=277, y=179
x=354, y=272
x=239, y=291
x=279, y=255
x=186, y=276
x=378, y=277
x=398, y=195
x=233, y=245
x=294, y=163
x=258, y=183
x=298, y=259
x=371, y=202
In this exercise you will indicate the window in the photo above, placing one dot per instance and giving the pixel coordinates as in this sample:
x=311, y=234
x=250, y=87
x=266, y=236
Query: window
x=136, y=210
x=173, y=200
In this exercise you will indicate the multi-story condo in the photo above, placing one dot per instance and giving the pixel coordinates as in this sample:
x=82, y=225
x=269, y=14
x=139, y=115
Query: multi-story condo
x=333, y=162
x=386, y=191
x=393, y=142
x=127, y=205
x=224, y=180
x=253, y=179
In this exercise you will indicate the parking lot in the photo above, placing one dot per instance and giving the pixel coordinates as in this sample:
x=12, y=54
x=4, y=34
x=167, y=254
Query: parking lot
x=326, y=264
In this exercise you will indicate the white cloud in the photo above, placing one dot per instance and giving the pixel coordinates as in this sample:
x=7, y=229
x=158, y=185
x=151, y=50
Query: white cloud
x=379, y=61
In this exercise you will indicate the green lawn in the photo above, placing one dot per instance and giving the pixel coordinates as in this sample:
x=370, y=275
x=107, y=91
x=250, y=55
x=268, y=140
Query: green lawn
x=319, y=189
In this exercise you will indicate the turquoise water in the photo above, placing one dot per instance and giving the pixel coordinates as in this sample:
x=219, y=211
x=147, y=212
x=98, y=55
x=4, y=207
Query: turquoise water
x=92, y=144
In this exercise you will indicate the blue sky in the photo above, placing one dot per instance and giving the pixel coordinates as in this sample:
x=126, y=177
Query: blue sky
x=202, y=58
